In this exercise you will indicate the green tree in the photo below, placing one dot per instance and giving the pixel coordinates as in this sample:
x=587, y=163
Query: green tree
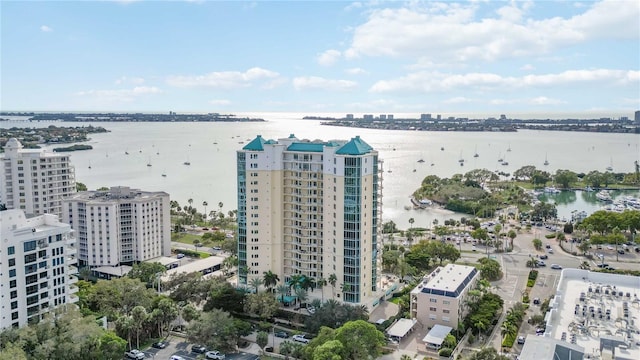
x=537, y=244
x=262, y=339
x=139, y=317
x=256, y=283
x=490, y=269
x=361, y=340
x=263, y=305
x=147, y=272
x=487, y=353
x=329, y=350
x=333, y=280
x=215, y=329
x=565, y=178
x=81, y=187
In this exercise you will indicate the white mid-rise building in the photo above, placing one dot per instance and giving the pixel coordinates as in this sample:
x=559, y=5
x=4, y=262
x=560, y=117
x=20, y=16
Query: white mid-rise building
x=312, y=209
x=119, y=225
x=439, y=299
x=34, y=180
x=37, y=267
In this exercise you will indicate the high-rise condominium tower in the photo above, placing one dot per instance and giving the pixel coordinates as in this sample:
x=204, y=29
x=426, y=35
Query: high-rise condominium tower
x=311, y=210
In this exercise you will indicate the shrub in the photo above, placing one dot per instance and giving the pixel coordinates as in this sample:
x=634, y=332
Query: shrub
x=525, y=299
x=445, y=352
x=508, y=340
x=533, y=275
x=550, y=236
x=531, y=282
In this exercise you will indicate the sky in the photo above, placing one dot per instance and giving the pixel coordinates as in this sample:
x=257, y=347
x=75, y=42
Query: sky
x=321, y=56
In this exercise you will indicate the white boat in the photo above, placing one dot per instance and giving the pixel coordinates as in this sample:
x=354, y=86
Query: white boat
x=604, y=195
x=551, y=190
x=546, y=162
x=610, y=167
x=588, y=189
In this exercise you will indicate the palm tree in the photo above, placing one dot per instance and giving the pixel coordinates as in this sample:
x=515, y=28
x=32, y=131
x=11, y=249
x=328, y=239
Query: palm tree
x=204, y=203
x=190, y=201
x=321, y=283
x=307, y=283
x=256, y=283
x=270, y=280
x=302, y=295
x=282, y=290
x=295, y=281
x=345, y=287
x=508, y=329
x=220, y=205
x=512, y=235
x=332, y=280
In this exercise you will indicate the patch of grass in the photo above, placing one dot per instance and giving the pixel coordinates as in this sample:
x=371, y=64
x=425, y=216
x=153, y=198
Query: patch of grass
x=185, y=238
x=394, y=300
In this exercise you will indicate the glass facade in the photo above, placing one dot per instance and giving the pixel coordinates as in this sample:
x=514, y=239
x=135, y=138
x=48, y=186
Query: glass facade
x=352, y=230
x=242, y=218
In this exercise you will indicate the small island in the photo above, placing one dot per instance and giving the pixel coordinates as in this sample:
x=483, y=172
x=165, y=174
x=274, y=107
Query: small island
x=135, y=117
x=76, y=147
x=32, y=138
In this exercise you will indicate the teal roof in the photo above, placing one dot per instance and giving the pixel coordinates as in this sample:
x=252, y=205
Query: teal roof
x=255, y=144
x=308, y=147
x=355, y=146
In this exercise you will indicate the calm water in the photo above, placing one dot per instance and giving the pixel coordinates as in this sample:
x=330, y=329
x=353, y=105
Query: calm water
x=211, y=176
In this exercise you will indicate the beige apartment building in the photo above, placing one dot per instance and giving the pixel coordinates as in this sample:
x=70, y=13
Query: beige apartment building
x=119, y=225
x=34, y=180
x=440, y=297
x=313, y=209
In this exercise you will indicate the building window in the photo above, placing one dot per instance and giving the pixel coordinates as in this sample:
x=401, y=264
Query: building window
x=30, y=245
x=11, y=250
x=433, y=300
x=12, y=262
x=446, y=319
x=432, y=309
x=446, y=302
x=445, y=311
x=432, y=317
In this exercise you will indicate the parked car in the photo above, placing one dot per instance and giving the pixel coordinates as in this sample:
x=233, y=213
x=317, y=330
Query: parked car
x=536, y=301
x=620, y=251
x=199, y=349
x=539, y=331
x=180, y=256
x=282, y=334
x=520, y=340
x=603, y=265
x=548, y=246
x=301, y=338
x=543, y=257
x=217, y=248
x=311, y=309
x=550, y=251
x=160, y=344
x=540, y=263
x=214, y=355
x=135, y=354
x=556, y=267
x=176, y=357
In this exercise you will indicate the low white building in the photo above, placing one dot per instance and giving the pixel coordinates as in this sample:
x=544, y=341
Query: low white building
x=37, y=267
x=119, y=225
x=440, y=297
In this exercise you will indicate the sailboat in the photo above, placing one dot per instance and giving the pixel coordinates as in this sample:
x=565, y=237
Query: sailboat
x=610, y=167
x=546, y=162
x=509, y=148
x=149, y=163
x=461, y=160
x=89, y=164
x=476, y=154
x=504, y=161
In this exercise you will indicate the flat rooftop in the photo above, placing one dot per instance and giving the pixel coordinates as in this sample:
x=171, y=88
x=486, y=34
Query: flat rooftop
x=446, y=281
x=198, y=265
x=597, y=311
x=164, y=260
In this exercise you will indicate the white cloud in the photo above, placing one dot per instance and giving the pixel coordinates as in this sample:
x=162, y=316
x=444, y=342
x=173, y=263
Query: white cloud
x=543, y=100
x=329, y=57
x=353, y=6
x=356, y=71
x=458, y=100
x=424, y=81
x=315, y=83
x=45, y=28
x=219, y=102
x=121, y=95
x=132, y=80
x=527, y=67
x=442, y=32
x=223, y=79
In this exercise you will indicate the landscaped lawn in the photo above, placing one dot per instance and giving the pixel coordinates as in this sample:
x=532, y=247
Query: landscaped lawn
x=185, y=238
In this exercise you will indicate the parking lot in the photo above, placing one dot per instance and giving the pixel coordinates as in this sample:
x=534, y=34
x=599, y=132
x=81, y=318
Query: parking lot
x=179, y=346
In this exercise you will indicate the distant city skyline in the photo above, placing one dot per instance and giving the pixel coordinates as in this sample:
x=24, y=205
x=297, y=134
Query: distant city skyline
x=322, y=57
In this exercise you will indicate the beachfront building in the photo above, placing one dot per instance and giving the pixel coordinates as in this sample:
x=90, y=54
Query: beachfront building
x=311, y=209
x=34, y=180
x=439, y=299
x=119, y=225
x=37, y=267
x=592, y=315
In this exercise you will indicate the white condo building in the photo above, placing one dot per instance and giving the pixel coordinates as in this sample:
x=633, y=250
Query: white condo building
x=312, y=208
x=37, y=267
x=119, y=225
x=34, y=180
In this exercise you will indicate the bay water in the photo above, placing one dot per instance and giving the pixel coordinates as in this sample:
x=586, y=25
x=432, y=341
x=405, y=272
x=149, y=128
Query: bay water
x=211, y=148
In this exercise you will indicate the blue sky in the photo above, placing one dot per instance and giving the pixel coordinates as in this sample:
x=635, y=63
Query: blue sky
x=321, y=56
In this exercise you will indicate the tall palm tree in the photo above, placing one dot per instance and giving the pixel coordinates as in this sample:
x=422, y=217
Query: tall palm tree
x=220, y=205
x=332, y=280
x=205, y=204
x=256, y=283
x=302, y=295
x=307, y=283
x=295, y=281
x=190, y=201
x=270, y=279
x=321, y=283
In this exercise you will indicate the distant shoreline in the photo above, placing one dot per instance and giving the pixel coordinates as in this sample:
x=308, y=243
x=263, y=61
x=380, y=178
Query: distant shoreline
x=603, y=125
x=131, y=117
